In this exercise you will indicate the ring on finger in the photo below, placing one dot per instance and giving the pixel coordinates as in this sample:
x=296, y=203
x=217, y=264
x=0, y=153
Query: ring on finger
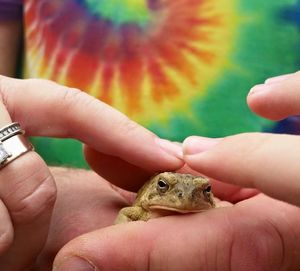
x=13, y=143
x=10, y=130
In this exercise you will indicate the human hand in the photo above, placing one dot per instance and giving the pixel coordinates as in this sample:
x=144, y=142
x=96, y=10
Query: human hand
x=85, y=202
x=27, y=189
x=258, y=233
x=267, y=162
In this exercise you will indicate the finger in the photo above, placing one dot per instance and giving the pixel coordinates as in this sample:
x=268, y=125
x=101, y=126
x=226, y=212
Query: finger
x=124, y=174
x=116, y=170
x=221, y=190
x=78, y=115
x=224, y=191
x=278, y=98
x=6, y=229
x=128, y=176
x=263, y=161
x=155, y=245
x=28, y=192
x=192, y=242
x=85, y=203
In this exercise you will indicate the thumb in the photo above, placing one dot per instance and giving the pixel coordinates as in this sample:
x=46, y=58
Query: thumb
x=169, y=243
x=106, y=249
x=192, y=241
x=267, y=162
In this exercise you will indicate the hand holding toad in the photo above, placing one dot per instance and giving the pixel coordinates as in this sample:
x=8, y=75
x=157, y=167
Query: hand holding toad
x=257, y=233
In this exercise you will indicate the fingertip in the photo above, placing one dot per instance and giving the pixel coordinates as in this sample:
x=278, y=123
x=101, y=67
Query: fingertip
x=277, y=98
x=197, y=144
x=256, y=103
x=171, y=148
x=259, y=89
x=264, y=100
x=195, y=149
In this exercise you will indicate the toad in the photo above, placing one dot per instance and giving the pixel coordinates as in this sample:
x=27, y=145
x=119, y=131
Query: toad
x=168, y=193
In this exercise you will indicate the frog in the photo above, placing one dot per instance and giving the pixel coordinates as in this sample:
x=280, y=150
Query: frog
x=169, y=193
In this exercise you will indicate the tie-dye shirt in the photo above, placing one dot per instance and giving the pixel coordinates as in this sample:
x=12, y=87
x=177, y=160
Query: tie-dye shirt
x=177, y=67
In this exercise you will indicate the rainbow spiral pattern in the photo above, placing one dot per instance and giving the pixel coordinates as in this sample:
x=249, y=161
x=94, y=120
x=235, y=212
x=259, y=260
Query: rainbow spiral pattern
x=178, y=67
x=146, y=58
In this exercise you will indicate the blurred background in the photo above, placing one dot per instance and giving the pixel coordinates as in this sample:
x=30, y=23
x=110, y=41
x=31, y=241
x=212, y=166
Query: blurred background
x=179, y=67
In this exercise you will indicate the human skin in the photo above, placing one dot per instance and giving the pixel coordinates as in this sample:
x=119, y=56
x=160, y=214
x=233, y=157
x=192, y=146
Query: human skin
x=270, y=161
x=27, y=188
x=258, y=233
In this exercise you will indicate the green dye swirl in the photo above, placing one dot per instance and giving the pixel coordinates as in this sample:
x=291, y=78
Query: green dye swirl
x=120, y=11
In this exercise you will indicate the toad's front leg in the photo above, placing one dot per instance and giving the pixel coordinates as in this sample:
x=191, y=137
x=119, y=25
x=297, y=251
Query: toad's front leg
x=134, y=213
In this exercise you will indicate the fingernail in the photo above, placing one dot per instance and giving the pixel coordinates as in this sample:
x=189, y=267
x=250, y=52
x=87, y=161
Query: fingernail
x=277, y=79
x=197, y=144
x=259, y=88
x=172, y=148
x=75, y=264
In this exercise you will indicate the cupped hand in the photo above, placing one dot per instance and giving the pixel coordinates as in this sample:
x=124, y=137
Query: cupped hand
x=257, y=233
x=27, y=189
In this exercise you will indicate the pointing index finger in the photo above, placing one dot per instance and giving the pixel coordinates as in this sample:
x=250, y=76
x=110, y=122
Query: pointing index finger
x=48, y=109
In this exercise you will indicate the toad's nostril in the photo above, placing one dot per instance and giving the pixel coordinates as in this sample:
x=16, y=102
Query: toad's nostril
x=180, y=194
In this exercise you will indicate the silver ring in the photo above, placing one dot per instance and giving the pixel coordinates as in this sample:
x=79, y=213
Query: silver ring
x=13, y=147
x=10, y=130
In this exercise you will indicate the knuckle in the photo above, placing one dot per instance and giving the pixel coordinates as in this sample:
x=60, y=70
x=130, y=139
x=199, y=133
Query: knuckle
x=65, y=96
x=127, y=127
x=33, y=194
x=34, y=204
x=71, y=96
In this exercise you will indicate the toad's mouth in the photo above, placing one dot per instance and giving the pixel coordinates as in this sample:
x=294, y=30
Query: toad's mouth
x=176, y=210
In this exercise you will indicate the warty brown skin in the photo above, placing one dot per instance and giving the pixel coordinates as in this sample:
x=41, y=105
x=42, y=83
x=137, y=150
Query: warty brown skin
x=169, y=193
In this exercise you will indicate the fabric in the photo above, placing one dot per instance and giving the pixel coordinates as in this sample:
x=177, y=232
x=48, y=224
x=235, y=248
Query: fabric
x=10, y=9
x=179, y=67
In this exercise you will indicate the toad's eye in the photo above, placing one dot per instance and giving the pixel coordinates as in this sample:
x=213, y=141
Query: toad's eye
x=162, y=186
x=207, y=190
